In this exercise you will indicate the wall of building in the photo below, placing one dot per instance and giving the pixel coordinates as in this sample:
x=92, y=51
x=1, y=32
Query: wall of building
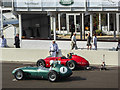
x=36, y=25
x=32, y=55
x=9, y=35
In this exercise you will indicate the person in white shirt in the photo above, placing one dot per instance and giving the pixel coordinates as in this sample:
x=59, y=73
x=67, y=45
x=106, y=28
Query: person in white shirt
x=95, y=41
x=3, y=42
x=73, y=42
x=54, y=49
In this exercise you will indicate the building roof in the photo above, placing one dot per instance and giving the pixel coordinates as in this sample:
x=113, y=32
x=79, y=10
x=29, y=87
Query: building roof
x=63, y=5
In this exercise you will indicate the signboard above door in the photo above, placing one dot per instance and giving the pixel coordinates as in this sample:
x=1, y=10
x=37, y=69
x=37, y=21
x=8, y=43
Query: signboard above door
x=66, y=2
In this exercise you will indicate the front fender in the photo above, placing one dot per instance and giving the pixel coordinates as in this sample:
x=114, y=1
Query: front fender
x=13, y=72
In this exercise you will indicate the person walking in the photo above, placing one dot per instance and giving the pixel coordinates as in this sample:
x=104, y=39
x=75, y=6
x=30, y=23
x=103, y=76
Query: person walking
x=3, y=42
x=118, y=46
x=54, y=49
x=17, y=41
x=73, y=42
x=95, y=41
x=89, y=41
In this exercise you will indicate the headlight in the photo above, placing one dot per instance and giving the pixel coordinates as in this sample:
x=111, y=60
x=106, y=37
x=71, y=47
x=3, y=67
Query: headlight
x=63, y=70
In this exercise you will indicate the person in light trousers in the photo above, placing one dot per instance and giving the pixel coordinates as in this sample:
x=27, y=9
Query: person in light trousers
x=95, y=41
x=54, y=49
x=73, y=42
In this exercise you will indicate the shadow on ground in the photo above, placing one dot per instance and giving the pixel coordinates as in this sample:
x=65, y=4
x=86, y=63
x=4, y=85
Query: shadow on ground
x=72, y=78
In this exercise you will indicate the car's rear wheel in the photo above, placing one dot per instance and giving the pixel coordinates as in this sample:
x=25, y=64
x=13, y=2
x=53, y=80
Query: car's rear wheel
x=52, y=76
x=40, y=62
x=19, y=75
x=71, y=65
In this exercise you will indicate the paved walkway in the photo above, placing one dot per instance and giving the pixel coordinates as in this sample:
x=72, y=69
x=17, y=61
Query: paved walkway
x=65, y=45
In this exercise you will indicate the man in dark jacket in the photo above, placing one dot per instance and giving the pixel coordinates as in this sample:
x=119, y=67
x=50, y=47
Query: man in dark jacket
x=72, y=29
x=17, y=41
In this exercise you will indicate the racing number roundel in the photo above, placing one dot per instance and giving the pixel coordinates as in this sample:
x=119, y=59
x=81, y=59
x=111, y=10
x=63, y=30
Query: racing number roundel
x=63, y=70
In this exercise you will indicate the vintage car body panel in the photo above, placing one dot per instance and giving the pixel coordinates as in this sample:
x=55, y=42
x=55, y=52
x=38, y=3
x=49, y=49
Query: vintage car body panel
x=42, y=72
x=81, y=62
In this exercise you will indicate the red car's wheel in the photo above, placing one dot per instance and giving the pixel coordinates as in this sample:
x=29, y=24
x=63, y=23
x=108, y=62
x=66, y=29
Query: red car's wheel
x=40, y=62
x=71, y=64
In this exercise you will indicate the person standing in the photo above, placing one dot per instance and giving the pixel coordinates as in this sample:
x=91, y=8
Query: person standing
x=3, y=42
x=54, y=49
x=17, y=41
x=73, y=42
x=89, y=41
x=95, y=41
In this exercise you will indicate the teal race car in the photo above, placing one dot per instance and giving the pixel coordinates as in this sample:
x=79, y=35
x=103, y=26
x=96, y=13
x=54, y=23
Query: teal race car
x=54, y=73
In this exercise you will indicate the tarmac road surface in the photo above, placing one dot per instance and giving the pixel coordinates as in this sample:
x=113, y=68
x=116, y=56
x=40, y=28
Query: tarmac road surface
x=79, y=79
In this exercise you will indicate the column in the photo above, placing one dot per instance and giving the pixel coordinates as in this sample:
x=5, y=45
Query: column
x=117, y=23
x=86, y=5
x=20, y=29
x=80, y=28
x=91, y=24
x=100, y=21
x=12, y=5
x=51, y=22
x=114, y=26
x=1, y=22
x=75, y=23
x=108, y=17
x=59, y=22
x=83, y=27
x=14, y=31
x=67, y=23
x=54, y=27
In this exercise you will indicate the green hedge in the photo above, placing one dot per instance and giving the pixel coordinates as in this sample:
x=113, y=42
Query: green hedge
x=98, y=32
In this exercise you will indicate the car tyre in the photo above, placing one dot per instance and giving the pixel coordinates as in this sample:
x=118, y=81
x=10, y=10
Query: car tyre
x=19, y=75
x=52, y=76
x=40, y=62
x=71, y=65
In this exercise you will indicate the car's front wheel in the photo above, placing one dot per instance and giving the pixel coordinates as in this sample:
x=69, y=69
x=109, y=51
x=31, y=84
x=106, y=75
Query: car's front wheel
x=40, y=62
x=52, y=76
x=19, y=75
x=71, y=64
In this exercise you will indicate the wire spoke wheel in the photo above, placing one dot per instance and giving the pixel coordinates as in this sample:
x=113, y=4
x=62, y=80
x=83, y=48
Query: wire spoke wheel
x=52, y=76
x=40, y=62
x=71, y=65
x=19, y=75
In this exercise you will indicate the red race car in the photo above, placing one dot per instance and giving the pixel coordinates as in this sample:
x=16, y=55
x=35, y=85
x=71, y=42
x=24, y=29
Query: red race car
x=72, y=61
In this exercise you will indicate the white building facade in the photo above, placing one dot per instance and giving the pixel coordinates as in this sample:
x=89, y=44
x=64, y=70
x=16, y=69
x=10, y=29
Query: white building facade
x=45, y=19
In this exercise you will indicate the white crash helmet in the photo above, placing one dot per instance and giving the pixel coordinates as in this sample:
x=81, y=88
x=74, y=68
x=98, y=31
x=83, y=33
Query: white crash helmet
x=59, y=62
x=51, y=62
